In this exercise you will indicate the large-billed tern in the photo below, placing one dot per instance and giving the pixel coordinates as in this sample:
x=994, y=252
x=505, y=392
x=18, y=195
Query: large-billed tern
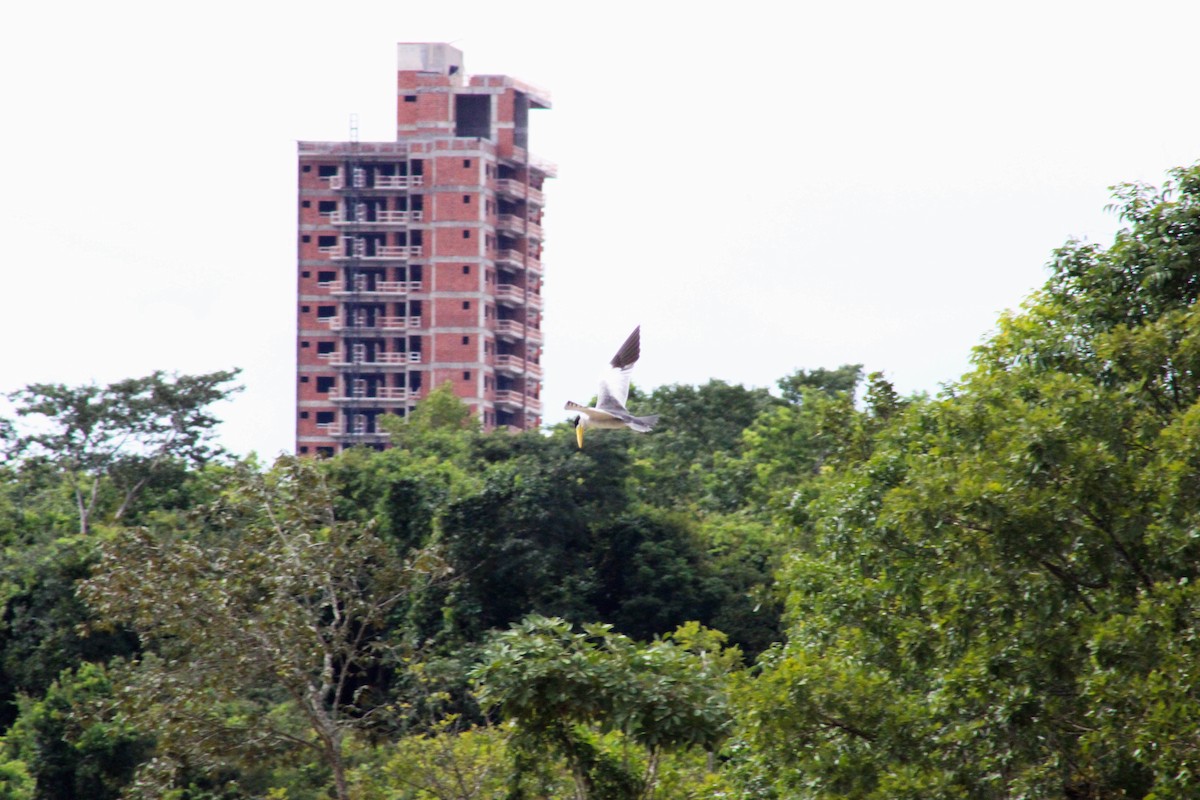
x=609, y=411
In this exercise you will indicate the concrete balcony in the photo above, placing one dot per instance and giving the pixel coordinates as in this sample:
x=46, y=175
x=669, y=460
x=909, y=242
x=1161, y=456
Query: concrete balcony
x=359, y=435
x=358, y=249
x=515, y=365
x=511, y=364
x=521, y=157
x=380, y=394
x=379, y=218
x=366, y=324
x=377, y=361
x=519, y=191
x=365, y=287
x=393, y=182
x=512, y=329
x=519, y=226
x=360, y=179
x=510, y=294
x=512, y=257
x=509, y=397
x=518, y=260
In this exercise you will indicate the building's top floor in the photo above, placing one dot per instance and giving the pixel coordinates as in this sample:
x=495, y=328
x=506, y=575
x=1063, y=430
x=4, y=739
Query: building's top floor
x=422, y=61
x=435, y=98
x=440, y=110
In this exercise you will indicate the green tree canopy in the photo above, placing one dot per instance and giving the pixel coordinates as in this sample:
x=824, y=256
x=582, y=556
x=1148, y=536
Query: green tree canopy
x=993, y=599
x=125, y=433
x=558, y=685
x=267, y=598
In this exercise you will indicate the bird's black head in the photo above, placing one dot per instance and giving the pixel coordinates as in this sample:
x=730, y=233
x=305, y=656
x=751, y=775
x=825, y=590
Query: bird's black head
x=575, y=421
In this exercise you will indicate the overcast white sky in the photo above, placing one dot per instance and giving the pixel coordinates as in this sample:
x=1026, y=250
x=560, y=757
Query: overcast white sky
x=763, y=186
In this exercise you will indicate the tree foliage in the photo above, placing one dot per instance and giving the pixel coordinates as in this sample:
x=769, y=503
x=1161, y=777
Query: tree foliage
x=268, y=597
x=124, y=434
x=560, y=687
x=66, y=756
x=992, y=600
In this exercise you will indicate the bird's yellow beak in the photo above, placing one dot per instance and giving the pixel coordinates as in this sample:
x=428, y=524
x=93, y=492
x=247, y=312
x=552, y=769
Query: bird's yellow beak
x=579, y=435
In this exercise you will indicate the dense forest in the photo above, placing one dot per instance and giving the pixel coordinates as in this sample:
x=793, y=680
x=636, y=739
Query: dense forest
x=827, y=591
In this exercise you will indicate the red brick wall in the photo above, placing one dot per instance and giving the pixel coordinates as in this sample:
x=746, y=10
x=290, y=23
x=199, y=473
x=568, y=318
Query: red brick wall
x=449, y=312
x=449, y=206
x=450, y=277
x=450, y=241
x=448, y=347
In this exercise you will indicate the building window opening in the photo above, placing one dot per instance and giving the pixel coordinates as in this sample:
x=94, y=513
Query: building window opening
x=521, y=119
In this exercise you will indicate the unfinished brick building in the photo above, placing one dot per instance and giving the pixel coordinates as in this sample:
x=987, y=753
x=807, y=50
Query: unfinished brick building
x=419, y=259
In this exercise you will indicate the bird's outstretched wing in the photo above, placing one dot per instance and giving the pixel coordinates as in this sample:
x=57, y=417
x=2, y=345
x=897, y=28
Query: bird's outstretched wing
x=597, y=414
x=614, y=387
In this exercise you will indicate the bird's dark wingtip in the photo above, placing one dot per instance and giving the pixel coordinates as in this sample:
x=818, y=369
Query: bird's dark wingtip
x=630, y=351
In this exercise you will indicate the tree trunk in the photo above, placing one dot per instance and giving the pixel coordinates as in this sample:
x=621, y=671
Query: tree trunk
x=339, y=776
x=337, y=763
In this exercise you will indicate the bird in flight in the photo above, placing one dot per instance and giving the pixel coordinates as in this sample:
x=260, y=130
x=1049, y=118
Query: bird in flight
x=609, y=411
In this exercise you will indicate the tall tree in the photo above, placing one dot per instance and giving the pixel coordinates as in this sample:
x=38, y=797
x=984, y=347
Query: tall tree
x=125, y=433
x=268, y=598
x=558, y=685
x=843, y=380
x=995, y=601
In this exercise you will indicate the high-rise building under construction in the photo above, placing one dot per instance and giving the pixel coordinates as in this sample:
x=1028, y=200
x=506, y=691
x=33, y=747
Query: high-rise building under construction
x=420, y=259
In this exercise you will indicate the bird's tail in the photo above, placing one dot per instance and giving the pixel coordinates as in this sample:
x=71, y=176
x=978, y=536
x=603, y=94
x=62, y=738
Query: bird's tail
x=643, y=424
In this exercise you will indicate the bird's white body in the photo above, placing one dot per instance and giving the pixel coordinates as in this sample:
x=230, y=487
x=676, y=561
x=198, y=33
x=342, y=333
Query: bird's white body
x=609, y=411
